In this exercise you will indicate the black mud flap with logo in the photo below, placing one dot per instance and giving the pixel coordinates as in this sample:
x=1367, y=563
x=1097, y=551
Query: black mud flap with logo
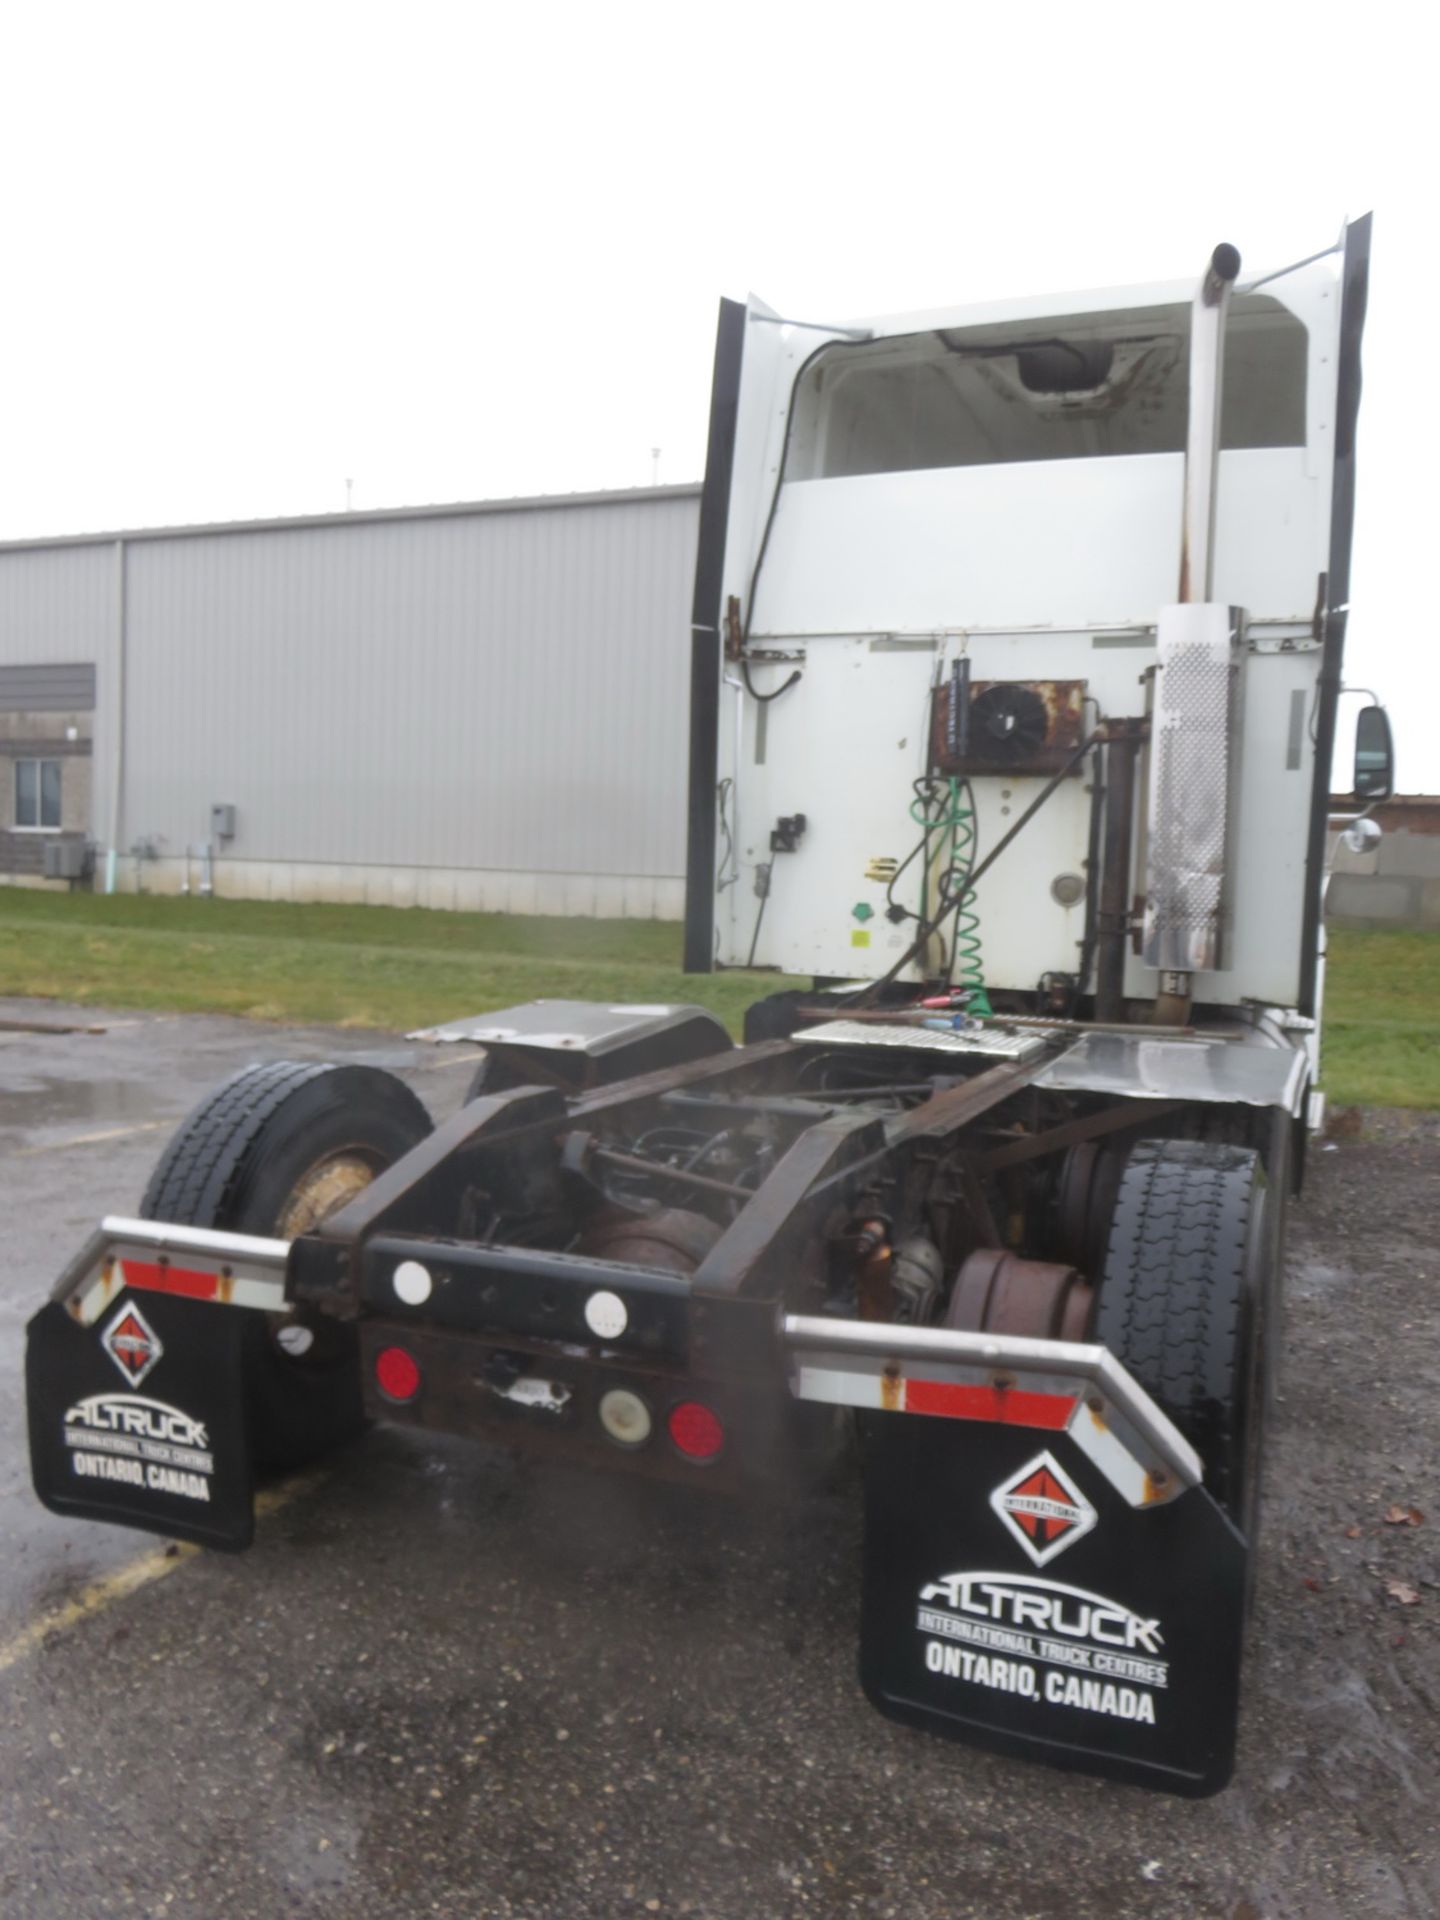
x=1015, y=1600
x=140, y=1419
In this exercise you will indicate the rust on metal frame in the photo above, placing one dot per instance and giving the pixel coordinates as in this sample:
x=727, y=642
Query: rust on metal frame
x=488, y=1117
x=954, y=1107
x=500, y=1116
x=676, y=1176
x=111, y=1283
x=841, y=1150
x=1064, y=704
x=996, y=1291
x=1071, y=1133
x=828, y=1149
x=874, y=1285
x=649, y=1086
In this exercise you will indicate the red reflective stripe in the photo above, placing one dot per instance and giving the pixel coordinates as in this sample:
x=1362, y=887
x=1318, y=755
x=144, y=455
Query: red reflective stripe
x=150, y=1277
x=1009, y=1405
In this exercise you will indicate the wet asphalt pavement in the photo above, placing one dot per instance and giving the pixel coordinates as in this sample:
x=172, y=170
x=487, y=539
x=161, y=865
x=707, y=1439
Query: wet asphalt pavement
x=444, y=1683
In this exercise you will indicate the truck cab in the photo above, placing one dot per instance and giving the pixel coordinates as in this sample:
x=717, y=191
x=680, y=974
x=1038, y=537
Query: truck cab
x=941, y=557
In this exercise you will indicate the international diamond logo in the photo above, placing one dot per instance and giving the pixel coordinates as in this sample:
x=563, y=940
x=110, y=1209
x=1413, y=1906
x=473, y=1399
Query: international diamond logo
x=131, y=1344
x=1043, y=1508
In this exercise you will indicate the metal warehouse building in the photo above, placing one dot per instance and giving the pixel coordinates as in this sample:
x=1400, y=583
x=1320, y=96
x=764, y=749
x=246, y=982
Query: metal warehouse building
x=478, y=706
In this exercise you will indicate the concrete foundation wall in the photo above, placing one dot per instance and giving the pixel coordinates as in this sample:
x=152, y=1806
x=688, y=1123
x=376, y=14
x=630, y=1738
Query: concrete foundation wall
x=1398, y=885
x=603, y=896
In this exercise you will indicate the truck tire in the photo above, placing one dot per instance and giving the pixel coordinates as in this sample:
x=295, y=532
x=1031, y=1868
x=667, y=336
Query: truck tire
x=273, y=1150
x=1183, y=1302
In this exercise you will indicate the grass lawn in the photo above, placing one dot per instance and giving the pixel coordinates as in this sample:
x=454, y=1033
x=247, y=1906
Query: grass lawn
x=346, y=966
x=1382, y=1018
x=397, y=967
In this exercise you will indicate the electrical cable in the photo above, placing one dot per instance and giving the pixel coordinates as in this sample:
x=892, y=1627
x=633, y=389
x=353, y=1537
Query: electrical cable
x=766, y=867
x=764, y=699
x=896, y=910
x=966, y=969
x=800, y=373
x=935, y=921
x=727, y=857
x=945, y=807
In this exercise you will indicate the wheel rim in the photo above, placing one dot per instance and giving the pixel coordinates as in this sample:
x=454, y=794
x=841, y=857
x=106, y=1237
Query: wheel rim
x=332, y=1183
x=326, y=1187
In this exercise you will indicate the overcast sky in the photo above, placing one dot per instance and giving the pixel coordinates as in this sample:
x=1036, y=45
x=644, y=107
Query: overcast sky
x=464, y=252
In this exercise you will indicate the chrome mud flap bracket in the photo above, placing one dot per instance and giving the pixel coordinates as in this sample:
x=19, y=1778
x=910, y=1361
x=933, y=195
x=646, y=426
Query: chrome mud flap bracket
x=1044, y=1574
x=134, y=1380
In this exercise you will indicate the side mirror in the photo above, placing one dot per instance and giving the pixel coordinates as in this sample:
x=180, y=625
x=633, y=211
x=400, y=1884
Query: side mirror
x=1374, y=755
x=1362, y=836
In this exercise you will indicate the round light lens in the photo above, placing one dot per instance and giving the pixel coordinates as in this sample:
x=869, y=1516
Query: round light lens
x=396, y=1374
x=696, y=1431
x=412, y=1283
x=625, y=1417
x=605, y=1315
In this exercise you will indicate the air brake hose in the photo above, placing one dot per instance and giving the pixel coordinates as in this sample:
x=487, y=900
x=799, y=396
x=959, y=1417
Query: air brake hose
x=957, y=821
x=937, y=919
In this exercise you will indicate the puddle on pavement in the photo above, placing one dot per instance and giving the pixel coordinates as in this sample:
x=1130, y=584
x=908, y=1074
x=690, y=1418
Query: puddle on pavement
x=43, y=1101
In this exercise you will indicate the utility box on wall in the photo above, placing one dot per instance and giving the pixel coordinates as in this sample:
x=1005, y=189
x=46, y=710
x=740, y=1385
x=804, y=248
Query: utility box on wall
x=66, y=860
x=222, y=821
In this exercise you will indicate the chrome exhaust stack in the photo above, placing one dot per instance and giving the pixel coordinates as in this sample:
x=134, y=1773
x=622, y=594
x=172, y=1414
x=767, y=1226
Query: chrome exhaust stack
x=1202, y=441
x=1197, y=690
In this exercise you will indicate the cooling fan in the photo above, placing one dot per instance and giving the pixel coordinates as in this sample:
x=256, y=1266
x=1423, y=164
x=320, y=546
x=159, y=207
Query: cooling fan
x=1008, y=723
x=1004, y=726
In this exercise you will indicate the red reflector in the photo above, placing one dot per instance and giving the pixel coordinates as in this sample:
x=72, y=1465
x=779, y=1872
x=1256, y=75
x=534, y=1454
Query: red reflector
x=148, y=1276
x=396, y=1374
x=695, y=1430
x=1012, y=1405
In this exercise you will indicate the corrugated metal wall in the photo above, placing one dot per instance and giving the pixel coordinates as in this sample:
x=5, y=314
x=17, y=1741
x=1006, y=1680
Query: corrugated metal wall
x=55, y=687
x=498, y=690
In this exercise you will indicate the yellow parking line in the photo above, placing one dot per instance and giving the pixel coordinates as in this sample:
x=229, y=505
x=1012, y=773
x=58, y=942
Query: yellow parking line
x=94, y=1139
x=139, y=1573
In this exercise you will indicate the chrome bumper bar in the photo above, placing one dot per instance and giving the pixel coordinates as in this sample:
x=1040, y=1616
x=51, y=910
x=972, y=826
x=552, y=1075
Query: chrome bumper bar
x=1050, y=1385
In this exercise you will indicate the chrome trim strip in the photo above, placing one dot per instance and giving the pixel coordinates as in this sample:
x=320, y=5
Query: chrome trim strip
x=159, y=1236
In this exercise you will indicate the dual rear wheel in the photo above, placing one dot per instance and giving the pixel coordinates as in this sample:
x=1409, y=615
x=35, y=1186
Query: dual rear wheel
x=1185, y=1301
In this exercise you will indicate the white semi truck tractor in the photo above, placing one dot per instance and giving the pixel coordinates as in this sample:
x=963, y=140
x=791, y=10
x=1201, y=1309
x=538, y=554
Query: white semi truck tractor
x=1016, y=664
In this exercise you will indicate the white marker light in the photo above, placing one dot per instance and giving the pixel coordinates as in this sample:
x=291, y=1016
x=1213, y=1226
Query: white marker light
x=625, y=1417
x=605, y=1315
x=413, y=1284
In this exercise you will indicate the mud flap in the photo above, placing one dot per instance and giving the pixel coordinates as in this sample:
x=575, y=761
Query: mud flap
x=140, y=1418
x=1013, y=1599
